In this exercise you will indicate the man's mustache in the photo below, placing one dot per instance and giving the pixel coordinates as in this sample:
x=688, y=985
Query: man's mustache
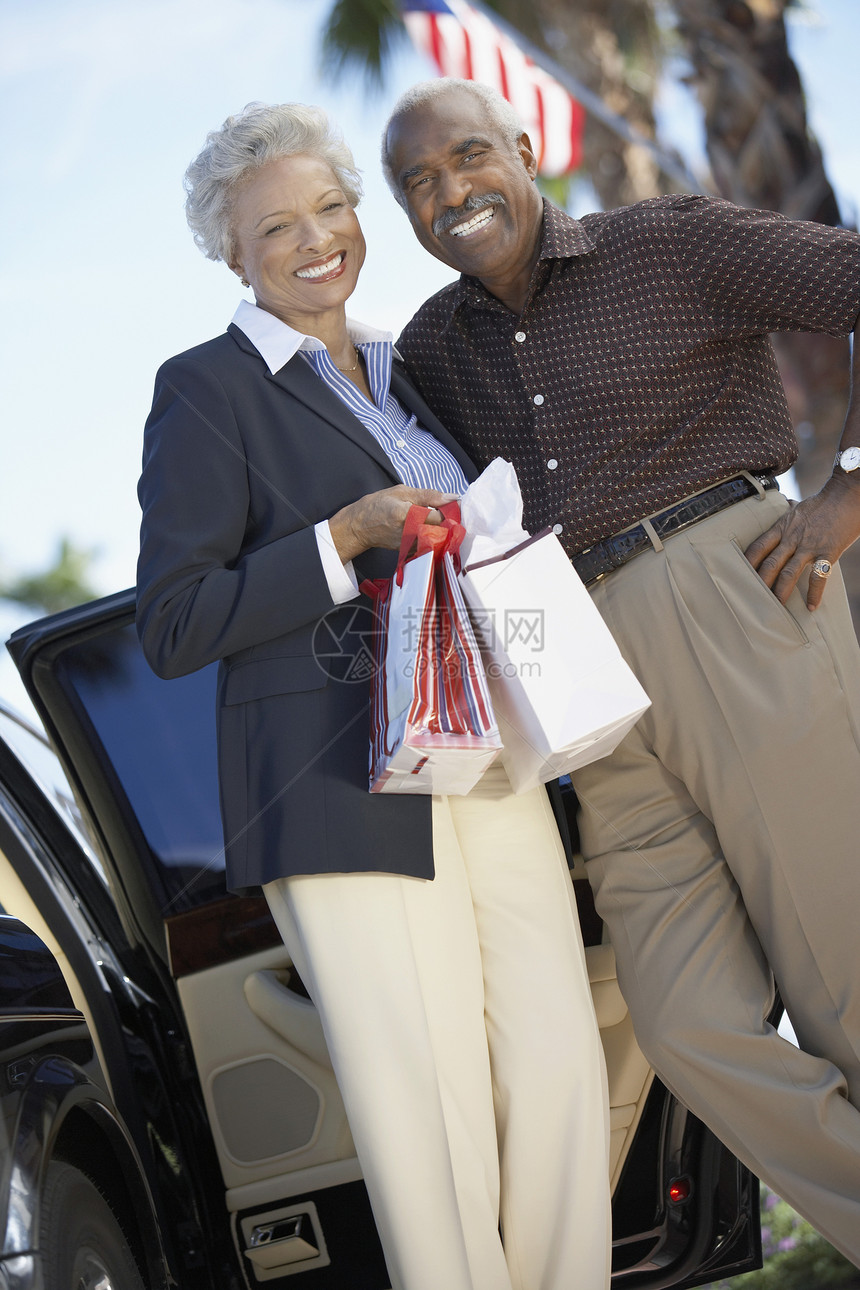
x=472, y=204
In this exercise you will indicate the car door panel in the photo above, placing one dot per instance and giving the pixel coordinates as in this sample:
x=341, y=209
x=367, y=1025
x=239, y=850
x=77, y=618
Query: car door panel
x=274, y=1107
x=273, y=1056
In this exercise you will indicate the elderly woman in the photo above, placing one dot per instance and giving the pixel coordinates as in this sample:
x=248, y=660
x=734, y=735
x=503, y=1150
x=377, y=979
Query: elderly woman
x=437, y=937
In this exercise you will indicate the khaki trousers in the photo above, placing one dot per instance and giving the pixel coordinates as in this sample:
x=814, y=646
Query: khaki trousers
x=723, y=846
x=461, y=1030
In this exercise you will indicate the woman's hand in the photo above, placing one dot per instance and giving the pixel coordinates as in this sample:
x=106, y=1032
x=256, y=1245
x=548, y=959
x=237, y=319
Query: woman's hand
x=377, y=519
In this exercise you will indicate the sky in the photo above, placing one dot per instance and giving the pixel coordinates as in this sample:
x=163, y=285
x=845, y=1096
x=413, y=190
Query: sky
x=104, y=104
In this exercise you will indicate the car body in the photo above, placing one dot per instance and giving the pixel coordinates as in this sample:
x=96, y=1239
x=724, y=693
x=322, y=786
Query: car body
x=157, y=1042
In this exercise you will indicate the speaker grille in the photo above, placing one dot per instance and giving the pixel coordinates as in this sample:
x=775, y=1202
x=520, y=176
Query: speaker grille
x=265, y=1108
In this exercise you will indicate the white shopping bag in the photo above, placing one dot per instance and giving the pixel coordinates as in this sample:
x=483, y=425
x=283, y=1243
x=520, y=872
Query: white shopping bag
x=562, y=692
x=432, y=725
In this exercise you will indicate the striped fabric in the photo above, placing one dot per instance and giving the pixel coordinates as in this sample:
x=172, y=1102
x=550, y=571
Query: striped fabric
x=465, y=43
x=419, y=459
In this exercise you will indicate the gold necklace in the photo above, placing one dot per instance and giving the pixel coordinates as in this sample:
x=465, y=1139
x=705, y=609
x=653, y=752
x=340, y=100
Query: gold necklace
x=354, y=367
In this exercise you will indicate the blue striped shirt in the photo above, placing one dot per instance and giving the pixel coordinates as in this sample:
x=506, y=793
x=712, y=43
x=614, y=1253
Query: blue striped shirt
x=418, y=458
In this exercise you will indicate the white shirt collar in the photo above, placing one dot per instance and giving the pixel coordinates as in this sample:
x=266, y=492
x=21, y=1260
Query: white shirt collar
x=278, y=342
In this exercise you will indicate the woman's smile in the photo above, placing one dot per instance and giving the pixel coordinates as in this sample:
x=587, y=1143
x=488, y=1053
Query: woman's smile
x=329, y=269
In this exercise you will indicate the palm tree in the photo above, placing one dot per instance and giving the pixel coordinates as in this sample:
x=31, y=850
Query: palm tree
x=762, y=154
x=614, y=49
x=759, y=145
x=362, y=35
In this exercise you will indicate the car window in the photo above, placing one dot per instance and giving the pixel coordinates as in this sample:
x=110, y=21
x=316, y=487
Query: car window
x=30, y=745
x=159, y=737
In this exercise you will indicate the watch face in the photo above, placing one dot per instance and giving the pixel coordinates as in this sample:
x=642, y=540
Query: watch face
x=850, y=459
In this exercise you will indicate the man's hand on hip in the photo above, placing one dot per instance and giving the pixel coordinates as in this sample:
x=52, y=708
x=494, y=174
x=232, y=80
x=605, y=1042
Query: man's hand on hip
x=819, y=528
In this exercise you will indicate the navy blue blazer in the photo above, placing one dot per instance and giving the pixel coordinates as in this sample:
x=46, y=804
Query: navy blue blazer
x=238, y=466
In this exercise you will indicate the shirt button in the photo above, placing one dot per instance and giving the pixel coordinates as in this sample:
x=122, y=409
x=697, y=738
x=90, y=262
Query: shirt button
x=400, y=443
x=552, y=464
x=538, y=399
x=520, y=336
x=557, y=528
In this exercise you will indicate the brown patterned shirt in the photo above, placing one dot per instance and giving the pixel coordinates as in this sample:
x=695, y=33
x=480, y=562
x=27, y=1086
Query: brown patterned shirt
x=640, y=369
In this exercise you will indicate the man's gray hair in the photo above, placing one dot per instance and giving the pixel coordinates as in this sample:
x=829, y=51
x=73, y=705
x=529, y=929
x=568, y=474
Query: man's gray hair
x=260, y=133
x=497, y=108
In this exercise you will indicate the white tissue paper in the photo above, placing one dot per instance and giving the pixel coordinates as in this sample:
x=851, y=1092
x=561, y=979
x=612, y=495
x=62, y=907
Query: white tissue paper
x=491, y=511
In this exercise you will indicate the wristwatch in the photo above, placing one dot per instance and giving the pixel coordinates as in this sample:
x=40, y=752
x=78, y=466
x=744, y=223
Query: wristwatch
x=848, y=459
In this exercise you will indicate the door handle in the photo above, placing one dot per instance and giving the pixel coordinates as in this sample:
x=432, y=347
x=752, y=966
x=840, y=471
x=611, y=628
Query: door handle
x=289, y=1014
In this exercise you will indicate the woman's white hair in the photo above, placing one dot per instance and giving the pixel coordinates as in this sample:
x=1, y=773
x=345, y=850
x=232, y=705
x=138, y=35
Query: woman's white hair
x=260, y=133
x=497, y=108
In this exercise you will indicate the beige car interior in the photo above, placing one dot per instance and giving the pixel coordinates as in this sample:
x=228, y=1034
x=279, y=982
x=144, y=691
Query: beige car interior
x=274, y=1108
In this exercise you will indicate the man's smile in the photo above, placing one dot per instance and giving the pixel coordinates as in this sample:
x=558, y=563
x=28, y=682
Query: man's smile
x=475, y=224
x=471, y=216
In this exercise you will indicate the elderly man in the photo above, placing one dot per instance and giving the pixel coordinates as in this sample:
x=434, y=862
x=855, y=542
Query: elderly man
x=622, y=362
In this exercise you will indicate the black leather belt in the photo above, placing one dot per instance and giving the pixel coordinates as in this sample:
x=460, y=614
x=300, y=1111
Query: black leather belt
x=612, y=552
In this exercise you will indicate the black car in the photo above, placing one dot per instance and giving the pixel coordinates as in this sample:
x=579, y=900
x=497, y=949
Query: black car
x=169, y=1112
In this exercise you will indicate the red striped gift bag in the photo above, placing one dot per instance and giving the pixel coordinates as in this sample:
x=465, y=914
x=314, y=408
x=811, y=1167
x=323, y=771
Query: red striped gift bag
x=432, y=726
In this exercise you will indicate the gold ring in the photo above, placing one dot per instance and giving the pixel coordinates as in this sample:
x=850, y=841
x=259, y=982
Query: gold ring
x=822, y=568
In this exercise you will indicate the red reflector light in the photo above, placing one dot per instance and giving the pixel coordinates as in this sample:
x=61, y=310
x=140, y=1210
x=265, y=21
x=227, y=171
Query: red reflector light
x=679, y=1190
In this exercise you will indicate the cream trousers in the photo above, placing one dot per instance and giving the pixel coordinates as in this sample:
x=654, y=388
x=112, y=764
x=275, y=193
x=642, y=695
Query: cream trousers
x=460, y=1025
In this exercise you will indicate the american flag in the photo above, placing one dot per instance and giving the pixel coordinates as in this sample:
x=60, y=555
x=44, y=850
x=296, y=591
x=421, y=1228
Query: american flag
x=464, y=42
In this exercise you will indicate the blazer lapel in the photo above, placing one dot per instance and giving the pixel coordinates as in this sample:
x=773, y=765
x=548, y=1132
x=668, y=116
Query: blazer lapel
x=300, y=381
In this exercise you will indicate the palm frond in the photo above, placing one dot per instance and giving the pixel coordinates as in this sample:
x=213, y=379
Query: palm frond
x=360, y=36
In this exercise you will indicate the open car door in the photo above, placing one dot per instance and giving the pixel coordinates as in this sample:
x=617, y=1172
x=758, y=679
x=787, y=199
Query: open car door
x=140, y=756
